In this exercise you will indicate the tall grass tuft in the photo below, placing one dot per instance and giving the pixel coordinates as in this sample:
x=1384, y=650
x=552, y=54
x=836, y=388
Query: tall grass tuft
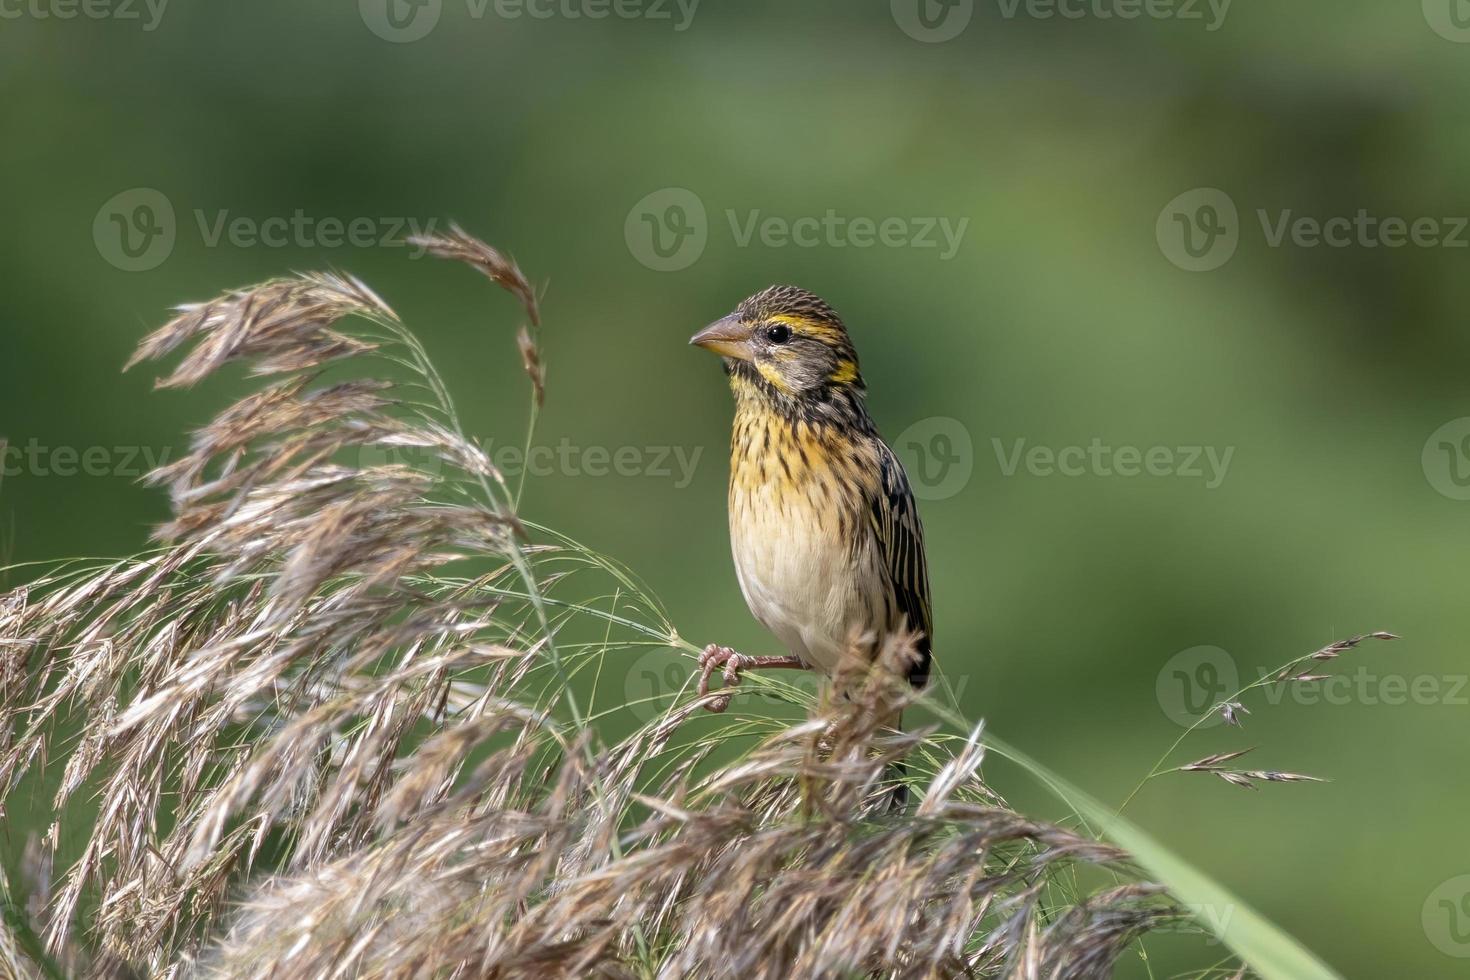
x=342, y=721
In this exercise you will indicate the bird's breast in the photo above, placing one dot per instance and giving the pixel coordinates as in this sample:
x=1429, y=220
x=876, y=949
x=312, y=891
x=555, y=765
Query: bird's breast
x=801, y=546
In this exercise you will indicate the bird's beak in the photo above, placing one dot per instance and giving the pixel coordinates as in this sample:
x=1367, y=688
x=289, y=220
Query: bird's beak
x=729, y=337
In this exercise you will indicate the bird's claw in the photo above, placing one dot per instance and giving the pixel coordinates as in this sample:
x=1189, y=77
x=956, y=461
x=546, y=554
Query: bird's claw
x=713, y=658
x=716, y=656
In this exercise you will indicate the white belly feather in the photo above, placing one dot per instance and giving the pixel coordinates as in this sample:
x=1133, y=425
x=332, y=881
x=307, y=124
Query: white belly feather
x=799, y=578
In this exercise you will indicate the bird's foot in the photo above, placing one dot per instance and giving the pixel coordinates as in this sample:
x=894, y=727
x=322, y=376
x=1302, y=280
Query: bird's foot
x=716, y=656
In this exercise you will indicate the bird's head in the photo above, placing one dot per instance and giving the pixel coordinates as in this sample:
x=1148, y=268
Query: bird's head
x=787, y=342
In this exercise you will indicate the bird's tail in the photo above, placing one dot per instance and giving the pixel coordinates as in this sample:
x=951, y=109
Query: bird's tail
x=897, y=775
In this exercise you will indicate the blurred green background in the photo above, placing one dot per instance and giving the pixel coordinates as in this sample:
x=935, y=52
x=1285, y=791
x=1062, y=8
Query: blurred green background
x=1069, y=608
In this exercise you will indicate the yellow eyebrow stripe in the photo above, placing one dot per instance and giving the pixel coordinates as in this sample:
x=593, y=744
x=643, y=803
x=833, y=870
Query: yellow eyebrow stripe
x=803, y=324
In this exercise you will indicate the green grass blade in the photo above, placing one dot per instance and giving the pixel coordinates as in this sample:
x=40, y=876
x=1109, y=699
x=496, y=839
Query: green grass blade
x=1269, y=951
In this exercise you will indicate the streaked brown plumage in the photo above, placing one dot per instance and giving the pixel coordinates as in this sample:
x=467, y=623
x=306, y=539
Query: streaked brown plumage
x=827, y=541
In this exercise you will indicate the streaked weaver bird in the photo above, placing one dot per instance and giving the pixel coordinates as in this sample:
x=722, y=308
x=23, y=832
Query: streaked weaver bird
x=827, y=542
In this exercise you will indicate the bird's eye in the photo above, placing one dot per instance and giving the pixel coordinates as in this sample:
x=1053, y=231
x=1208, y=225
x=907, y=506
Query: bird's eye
x=778, y=334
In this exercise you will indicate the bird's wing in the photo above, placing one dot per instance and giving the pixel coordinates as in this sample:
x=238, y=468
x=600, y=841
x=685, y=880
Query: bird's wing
x=901, y=541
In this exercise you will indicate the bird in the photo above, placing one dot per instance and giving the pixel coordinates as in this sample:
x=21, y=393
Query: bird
x=824, y=531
